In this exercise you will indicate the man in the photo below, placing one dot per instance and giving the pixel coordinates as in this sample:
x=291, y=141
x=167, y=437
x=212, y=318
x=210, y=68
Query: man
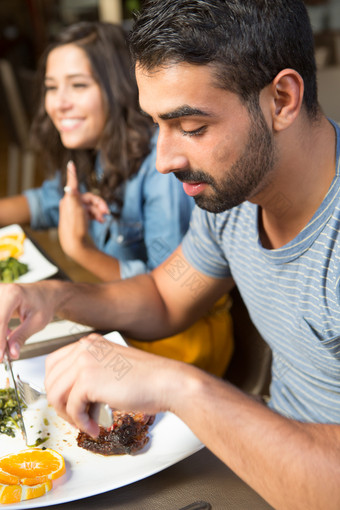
x=231, y=84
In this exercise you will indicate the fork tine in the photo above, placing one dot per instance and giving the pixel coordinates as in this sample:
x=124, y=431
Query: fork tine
x=27, y=392
x=100, y=412
x=21, y=390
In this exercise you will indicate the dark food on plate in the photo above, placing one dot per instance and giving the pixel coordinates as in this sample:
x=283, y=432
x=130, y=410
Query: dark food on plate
x=127, y=435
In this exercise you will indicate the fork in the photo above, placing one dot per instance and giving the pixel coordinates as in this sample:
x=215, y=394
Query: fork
x=28, y=393
x=99, y=412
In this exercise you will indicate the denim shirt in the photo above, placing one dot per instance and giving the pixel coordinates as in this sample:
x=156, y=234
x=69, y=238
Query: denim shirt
x=154, y=217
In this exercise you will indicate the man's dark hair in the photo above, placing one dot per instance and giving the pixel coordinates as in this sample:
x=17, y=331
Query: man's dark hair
x=247, y=41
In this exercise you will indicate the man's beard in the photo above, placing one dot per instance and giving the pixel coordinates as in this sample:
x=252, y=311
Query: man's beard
x=246, y=177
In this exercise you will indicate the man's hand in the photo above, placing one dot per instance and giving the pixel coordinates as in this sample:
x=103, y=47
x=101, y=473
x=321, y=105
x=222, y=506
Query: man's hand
x=97, y=370
x=28, y=303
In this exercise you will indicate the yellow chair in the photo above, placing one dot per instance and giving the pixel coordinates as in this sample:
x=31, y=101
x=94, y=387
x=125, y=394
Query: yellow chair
x=208, y=343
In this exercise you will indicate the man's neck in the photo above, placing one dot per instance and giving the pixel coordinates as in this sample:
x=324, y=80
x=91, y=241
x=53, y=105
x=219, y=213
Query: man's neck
x=305, y=171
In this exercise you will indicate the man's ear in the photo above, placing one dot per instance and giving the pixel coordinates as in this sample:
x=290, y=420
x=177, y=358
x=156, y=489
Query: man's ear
x=287, y=90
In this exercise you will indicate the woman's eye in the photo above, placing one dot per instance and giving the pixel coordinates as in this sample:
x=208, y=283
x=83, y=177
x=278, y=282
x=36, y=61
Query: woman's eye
x=193, y=132
x=80, y=85
x=48, y=88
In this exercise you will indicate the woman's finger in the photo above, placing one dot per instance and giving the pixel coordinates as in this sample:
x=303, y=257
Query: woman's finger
x=71, y=186
x=96, y=206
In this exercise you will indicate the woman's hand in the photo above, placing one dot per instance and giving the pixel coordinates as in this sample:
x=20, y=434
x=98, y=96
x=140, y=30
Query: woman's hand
x=75, y=212
x=95, y=206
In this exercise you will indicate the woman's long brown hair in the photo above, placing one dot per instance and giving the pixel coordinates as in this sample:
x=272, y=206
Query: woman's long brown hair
x=125, y=140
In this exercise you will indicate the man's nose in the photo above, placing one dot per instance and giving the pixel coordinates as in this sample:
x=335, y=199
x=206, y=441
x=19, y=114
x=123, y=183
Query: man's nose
x=170, y=156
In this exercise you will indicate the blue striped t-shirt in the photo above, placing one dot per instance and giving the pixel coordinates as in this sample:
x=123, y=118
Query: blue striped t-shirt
x=292, y=294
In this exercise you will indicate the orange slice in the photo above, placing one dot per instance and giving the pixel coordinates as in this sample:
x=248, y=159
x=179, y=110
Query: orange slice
x=17, y=493
x=8, y=478
x=10, y=248
x=34, y=466
x=12, y=245
x=17, y=236
x=34, y=480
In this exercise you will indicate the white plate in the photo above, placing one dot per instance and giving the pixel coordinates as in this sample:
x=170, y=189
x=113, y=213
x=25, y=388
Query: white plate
x=39, y=267
x=88, y=474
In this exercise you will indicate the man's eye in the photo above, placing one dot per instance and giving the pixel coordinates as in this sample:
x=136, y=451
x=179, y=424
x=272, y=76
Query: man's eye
x=194, y=132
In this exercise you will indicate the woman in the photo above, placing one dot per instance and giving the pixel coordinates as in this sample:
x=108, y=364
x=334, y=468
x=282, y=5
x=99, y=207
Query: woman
x=118, y=216
x=88, y=112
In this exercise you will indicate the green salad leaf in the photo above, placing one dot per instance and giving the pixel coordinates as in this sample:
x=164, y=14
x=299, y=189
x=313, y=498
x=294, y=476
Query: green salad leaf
x=11, y=269
x=8, y=412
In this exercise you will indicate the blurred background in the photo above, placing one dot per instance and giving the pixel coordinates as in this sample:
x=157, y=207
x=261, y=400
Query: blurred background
x=26, y=26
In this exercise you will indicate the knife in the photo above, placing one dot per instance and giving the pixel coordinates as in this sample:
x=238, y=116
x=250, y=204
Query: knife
x=101, y=414
x=8, y=367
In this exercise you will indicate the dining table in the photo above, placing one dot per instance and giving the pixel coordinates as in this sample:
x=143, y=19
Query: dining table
x=199, y=481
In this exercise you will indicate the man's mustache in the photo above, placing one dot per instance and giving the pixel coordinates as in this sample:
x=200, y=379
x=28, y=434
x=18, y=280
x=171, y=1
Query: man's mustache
x=193, y=176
